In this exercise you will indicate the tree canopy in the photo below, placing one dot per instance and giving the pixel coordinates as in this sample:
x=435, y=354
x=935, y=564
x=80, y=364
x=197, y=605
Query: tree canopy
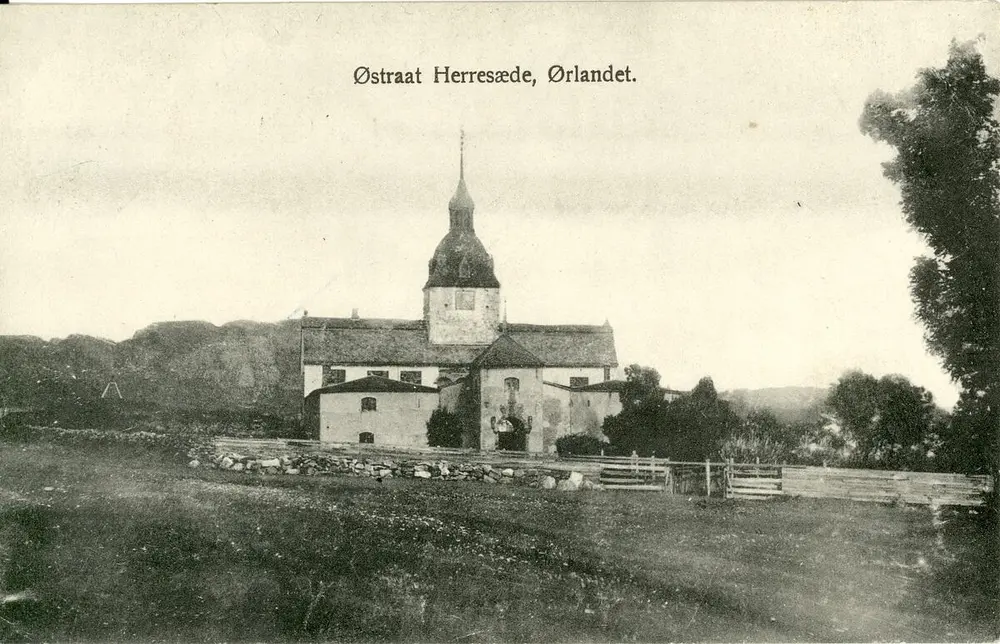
x=892, y=423
x=691, y=427
x=947, y=165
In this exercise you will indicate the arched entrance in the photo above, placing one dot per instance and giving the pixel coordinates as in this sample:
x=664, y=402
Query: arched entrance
x=513, y=441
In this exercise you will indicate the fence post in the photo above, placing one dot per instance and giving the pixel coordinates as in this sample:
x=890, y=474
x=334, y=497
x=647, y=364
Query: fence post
x=729, y=478
x=708, y=477
x=668, y=482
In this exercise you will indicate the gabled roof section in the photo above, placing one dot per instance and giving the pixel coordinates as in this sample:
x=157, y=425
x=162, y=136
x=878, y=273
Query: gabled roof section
x=375, y=384
x=362, y=323
x=568, y=345
x=506, y=352
x=378, y=342
x=383, y=342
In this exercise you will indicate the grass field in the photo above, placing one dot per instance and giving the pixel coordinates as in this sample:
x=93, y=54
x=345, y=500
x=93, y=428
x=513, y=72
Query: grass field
x=143, y=549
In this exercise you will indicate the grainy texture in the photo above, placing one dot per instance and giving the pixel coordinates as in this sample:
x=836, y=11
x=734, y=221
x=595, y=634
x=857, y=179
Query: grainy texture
x=139, y=549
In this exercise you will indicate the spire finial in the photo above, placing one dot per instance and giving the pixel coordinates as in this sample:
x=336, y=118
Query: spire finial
x=461, y=153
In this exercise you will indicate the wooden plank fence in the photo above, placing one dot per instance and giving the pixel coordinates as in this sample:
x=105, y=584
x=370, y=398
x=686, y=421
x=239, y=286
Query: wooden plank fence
x=728, y=479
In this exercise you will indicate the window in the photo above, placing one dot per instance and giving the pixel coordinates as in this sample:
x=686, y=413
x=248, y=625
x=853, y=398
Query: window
x=368, y=404
x=333, y=376
x=465, y=299
x=512, y=384
x=366, y=437
x=579, y=381
x=607, y=374
x=412, y=377
x=463, y=268
x=380, y=374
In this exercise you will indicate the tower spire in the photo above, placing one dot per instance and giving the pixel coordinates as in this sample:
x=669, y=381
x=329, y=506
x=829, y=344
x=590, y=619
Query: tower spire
x=461, y=153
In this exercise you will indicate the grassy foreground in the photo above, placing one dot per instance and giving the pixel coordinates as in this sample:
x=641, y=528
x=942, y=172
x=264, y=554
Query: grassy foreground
x=141, y=549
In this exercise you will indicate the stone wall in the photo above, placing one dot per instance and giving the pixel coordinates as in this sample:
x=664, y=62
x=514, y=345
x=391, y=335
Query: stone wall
x=384, y=468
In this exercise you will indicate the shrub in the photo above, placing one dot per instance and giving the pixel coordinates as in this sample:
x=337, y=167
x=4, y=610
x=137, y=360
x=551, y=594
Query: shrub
x=579, y=445
x=444, y=429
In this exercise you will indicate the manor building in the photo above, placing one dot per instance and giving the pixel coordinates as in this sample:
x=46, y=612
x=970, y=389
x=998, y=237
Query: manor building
x=517, y=386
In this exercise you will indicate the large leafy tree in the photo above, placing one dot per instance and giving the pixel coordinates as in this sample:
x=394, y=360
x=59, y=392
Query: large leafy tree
x=689, y=428
x=638, y=426
x=892, y=422
x=947, y=139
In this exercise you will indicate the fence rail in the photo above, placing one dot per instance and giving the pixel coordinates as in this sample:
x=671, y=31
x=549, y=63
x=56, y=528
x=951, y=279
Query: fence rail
x=729, y=479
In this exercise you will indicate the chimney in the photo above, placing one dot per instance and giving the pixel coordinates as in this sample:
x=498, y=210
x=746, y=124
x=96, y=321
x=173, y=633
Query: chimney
x=354, y=314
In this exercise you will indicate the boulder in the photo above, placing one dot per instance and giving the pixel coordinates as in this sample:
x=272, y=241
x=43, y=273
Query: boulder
x=548, y=483
x=567, y=485
x=193, y=463
x=422, y=474
x=518, y=474
x=237, y=467
x=576, y=477
x=444, y=470
x=271, y=470
x=507, y=472
x=271, y=462
x=226, y=463
x=487, y=468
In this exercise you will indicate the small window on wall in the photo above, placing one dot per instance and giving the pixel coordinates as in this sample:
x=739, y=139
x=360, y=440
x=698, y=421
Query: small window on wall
x=333, y=376
x=366, y=437
x=380, y=374
x=412, y=377
x=369, y=404
x=607, y=374
x=579, y=381
x=512, y=384
x=465, y=300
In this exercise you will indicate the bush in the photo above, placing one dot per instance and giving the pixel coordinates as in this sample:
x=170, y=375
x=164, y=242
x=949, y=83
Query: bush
x=579, y=445
x=444, y=429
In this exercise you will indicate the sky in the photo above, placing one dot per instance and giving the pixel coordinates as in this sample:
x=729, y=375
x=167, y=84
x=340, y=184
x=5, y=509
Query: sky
x=723, y=212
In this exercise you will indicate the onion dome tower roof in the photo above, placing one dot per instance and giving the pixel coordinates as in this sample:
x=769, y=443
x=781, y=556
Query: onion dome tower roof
x=460, y=259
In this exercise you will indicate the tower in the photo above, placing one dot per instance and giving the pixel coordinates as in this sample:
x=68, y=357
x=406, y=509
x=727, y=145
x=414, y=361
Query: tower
x=462, y=294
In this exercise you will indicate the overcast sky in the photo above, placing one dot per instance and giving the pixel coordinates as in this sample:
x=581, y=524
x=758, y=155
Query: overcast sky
x=724, y=212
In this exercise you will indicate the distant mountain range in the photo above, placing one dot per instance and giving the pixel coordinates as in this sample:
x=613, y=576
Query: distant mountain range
x=789, y=404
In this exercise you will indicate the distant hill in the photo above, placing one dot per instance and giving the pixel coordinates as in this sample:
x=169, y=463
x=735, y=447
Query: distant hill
x=789, y=404
x=168, y=366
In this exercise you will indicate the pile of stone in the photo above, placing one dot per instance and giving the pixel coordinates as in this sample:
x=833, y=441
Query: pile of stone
x=387, y=468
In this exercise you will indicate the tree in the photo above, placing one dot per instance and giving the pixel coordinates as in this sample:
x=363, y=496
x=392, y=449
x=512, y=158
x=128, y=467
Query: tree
x=444, y=429
x=635, y=428
x=642, y=387
x=698, y=423
x=947, y=166
x=689, y=428
x=893, y=423
x=760, y=437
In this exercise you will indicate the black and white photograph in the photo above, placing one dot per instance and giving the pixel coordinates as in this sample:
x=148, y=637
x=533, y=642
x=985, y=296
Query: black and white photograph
x=500, y=322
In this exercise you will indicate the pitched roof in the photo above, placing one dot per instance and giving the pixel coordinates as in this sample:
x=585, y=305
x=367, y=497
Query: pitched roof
x=376, y=342
x=506, y=352
x=375, y=384
x=563, y=345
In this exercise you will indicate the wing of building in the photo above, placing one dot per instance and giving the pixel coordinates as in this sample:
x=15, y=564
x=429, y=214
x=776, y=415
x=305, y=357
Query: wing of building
x=520, y=386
